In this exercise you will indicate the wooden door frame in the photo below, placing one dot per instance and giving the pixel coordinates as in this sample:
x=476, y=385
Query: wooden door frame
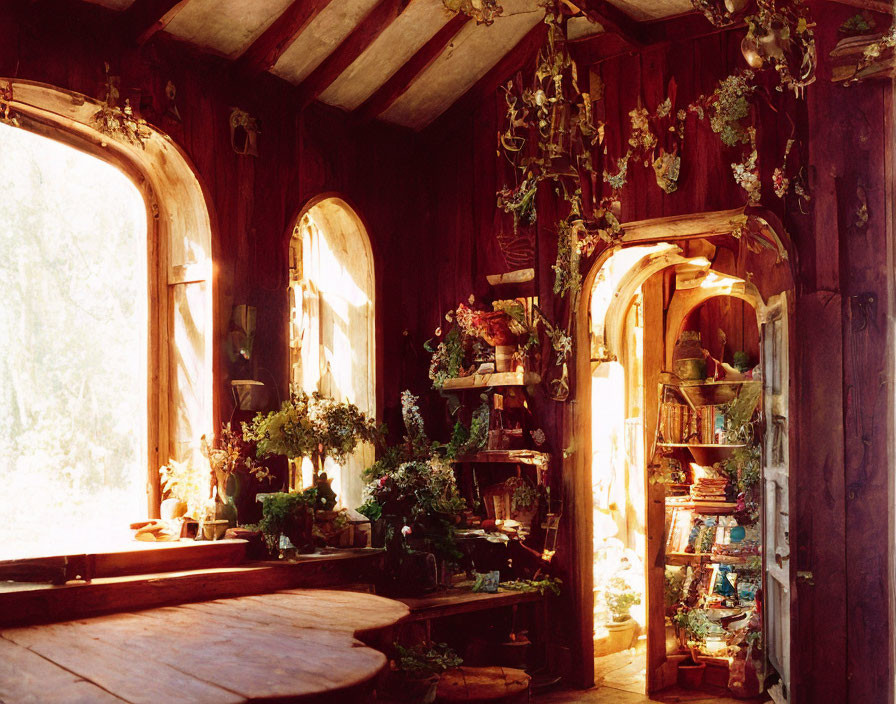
x=577, y=434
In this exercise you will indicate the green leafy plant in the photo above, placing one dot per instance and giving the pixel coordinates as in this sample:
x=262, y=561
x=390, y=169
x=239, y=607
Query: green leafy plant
x=620, y=598
x=542, y=586
x=311, y=426
x=426, y=659
x=415, y=489
x=283, y=513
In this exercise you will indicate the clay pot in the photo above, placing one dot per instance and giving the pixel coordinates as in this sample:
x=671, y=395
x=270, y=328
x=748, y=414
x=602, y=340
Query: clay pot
x=621, y=635
x=690, y=674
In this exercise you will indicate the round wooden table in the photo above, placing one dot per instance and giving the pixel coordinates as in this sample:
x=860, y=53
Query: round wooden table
x=300, y=645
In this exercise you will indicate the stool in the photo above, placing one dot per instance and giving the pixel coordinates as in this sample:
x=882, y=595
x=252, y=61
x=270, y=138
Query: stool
x=478, y=685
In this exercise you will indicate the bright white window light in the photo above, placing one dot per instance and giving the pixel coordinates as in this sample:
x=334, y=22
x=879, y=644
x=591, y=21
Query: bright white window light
x=73, y=268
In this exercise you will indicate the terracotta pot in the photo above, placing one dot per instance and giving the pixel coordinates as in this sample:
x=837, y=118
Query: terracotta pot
x=691, y=676
x=621, y=635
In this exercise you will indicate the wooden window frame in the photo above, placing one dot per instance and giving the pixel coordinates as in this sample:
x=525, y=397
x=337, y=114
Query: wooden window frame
x=180, y=389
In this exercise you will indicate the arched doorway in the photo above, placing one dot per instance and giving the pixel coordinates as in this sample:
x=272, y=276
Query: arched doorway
x=644, y=292
x=332, y=326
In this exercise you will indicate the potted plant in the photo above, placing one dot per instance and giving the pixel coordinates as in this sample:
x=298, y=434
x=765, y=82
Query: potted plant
x=417, y=500
x=620, y=598
x=416, y=671
x=311, y=426
x=230, y=462
x=289, y=514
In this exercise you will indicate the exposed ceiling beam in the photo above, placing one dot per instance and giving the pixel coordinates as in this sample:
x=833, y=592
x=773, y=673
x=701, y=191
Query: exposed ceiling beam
x=362, y=36
x=613, y=20
x=145, y=18
x=484, y=89
x=265, y=51
x=390, y=91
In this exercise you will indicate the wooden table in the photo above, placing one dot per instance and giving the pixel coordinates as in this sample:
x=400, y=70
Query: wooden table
x=299, y=645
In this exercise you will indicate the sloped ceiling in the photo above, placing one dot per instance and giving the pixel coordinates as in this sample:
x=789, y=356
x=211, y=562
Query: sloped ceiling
x=402, y=61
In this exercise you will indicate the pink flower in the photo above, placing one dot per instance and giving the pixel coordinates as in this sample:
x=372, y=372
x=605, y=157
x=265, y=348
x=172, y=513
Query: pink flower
x=406, y=531
x=382, y=481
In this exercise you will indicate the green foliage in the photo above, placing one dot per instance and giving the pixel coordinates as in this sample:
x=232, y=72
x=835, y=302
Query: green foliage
x=307, y=425
x=729, y=104
x=542, y=586
x=620, y=597
x=415, y=487
x=567, y=275
x=426, y=659
x=371, y=510
x=673, y=584
x=523, y=495
x=280, y=510
x=447, y=358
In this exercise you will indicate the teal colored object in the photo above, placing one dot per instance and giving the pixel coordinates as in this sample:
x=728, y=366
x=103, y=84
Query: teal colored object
x=738, y=533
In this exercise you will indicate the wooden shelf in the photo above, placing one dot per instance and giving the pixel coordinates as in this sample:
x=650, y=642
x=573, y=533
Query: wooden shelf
x=706, y=454
x=483, y=381
x=707, y=392
x=462, y=599
x=520, y=276
x=507, y=456
x=706, y=508
x=693, y=558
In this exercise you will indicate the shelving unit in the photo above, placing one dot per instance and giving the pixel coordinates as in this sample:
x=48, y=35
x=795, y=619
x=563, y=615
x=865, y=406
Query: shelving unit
x=494, y=479
x=716, y=588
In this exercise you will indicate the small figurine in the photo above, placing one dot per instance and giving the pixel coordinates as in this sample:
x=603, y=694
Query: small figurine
x=326, y=497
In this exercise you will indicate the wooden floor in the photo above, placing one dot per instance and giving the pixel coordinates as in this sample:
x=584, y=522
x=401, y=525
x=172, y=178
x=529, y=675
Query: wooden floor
x=621, y=681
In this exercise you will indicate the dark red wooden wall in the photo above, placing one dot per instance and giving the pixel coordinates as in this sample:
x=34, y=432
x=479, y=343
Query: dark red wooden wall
x=841, y=505
x=429, y=204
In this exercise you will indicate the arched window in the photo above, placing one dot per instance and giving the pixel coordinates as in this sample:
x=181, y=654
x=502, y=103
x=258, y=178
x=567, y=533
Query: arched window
x=108, y=252
x=332, y=321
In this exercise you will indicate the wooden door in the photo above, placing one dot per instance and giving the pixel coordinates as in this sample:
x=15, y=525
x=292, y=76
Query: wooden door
x=775, y=476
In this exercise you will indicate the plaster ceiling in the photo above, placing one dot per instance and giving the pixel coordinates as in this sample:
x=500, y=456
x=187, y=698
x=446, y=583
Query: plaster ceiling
x=226, y=27
x=440, y=77
x=474, y=51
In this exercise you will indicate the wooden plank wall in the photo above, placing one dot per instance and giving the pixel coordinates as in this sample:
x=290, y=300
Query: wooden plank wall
x=253, y=200
x=840, y=510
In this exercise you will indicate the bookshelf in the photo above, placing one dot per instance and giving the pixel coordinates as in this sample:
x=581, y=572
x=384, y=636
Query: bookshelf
x=712, y=534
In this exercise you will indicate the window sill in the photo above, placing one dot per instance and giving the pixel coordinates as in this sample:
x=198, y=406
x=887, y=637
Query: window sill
x=24, y=603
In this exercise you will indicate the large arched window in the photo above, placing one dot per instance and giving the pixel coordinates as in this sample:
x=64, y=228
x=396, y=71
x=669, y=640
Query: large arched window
x=332, y=321
x=107, y=271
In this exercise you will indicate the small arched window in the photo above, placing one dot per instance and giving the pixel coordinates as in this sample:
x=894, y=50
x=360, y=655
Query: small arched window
x=332, y=322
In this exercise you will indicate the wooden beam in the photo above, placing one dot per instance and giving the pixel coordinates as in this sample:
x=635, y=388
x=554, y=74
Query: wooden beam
x=613, y=20
x=363, y=35
x=486, y=86
x=145, y=18
x=390, y=91
x=265, y=51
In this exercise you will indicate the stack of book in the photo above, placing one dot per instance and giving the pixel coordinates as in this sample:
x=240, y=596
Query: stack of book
x=707, y=490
